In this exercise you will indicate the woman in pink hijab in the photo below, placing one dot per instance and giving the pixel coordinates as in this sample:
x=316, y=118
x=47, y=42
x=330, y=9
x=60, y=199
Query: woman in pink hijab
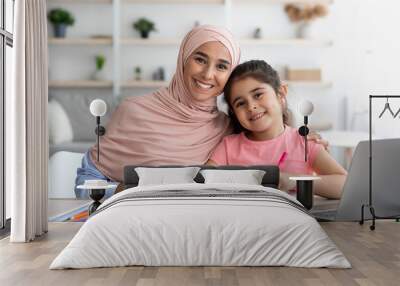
x=179, y=124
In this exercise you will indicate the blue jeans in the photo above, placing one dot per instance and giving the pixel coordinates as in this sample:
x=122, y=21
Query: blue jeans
x=88, y=171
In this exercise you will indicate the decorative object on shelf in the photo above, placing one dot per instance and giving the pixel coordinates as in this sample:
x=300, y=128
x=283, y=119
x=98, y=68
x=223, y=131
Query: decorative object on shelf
x=305, y=14
x=257, y=33
x=138, y=73
x=60, y=18
x=144, y=27
x=159, y=74
x=99, y=72
x=303, y=74
x=98, y=108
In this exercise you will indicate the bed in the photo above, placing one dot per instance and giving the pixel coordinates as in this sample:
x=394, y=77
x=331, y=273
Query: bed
x=201, y=224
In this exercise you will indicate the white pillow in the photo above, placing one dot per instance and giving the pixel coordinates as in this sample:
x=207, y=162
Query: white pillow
x=60, y=129
x=162, y=176
x=248, y=177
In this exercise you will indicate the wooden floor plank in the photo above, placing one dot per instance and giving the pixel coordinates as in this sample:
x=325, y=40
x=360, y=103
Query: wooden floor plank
x=375, y=257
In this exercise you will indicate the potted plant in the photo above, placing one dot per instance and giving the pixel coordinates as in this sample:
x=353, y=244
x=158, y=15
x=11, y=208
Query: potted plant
x=144, y=27
x=257, y=33
x=98, y=73
x=138, y=73
x=60, y=19
x=304, y=14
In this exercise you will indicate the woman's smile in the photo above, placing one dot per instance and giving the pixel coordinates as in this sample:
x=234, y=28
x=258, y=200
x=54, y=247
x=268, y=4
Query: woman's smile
x=203, y=85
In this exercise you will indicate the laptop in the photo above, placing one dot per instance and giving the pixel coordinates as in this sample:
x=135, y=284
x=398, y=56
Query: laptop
x=385, y=183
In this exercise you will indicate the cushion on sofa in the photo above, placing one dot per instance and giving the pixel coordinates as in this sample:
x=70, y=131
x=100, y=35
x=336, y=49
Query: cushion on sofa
x=60, y=129
x=77, y=108
x=78, y=147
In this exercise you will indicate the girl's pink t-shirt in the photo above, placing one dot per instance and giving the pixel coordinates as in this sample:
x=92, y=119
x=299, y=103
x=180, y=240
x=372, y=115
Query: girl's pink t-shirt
x=237, y=149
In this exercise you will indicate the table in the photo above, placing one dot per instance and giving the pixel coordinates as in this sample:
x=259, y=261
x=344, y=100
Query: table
x=346, y=139
x=96, y=193
x=304, y=187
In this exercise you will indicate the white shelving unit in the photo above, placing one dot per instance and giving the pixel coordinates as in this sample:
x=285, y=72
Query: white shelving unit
x=116, y=42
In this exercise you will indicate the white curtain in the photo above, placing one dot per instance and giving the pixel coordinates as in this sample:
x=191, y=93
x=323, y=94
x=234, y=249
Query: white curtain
x=26, y=123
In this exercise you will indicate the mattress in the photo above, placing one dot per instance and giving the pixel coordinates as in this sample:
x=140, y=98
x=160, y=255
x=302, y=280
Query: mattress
x=201, y=225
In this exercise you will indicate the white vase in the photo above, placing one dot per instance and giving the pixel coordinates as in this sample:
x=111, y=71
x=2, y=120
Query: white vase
x=98, y=75
x=305, y=30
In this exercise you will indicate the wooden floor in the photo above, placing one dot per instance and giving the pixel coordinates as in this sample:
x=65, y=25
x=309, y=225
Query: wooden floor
x=60, y=206
x=374, y=255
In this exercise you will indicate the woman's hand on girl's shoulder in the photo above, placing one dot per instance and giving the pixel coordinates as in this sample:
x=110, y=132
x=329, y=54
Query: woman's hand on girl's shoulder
x=317, y=138
x=211, y=163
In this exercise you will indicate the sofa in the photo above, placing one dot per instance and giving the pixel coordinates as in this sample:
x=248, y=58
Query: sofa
x=71, y=134
x=71, y=125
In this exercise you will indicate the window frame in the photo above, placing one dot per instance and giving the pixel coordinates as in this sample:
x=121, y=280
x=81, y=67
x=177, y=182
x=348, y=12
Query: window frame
x=6, y=39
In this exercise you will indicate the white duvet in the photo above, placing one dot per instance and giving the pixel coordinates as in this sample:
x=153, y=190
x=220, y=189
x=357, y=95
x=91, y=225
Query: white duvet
x=205, y=230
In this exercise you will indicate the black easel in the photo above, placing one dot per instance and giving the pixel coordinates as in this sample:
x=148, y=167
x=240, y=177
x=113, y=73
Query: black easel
x=370, y=205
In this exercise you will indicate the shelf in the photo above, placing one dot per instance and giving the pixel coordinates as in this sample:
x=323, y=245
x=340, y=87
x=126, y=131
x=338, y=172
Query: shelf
x=151, y=41
x=81, y=1
x=144, y=84
x=249, y=41
x=176, y=41
x=81, y=41
x=174, y=1
x=285, y=42
x=80, y=83
x=191, y=1
x=326, y=2
x=316, y=84
x=156, y=84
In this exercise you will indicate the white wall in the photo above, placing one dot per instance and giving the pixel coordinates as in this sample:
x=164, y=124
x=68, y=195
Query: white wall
x=364, y=58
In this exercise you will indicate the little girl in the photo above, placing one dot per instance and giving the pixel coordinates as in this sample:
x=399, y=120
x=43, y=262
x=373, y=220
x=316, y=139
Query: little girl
x=258, y=109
